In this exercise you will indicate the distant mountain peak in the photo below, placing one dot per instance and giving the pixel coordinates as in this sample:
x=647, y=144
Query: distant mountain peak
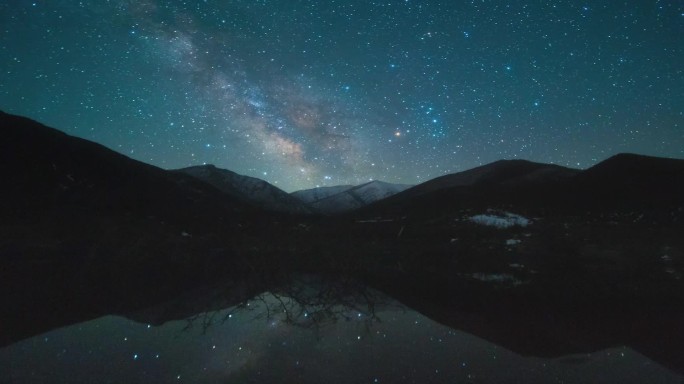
x=344, y=198
x=314, y=194
x=377, y=182
x=250, y=189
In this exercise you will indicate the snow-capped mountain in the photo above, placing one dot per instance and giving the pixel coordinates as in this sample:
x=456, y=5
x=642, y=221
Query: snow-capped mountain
x=251, y=189
x=314, y=194
x=349, y=198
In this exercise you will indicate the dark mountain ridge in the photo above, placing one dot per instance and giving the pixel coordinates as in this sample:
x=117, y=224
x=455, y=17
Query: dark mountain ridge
x=625, y=181
x=628, y=179
x=49, y=168
x=498, y=173
x=85, y=230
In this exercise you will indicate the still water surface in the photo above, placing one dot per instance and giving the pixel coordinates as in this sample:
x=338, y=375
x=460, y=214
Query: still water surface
x=245, y=346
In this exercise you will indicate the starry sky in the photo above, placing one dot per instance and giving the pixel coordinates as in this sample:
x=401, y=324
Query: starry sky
x=405, y=347
x=306, y=93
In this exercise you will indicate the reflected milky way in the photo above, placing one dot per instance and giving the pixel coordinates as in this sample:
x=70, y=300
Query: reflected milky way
x=310, y=93
x=404, y=347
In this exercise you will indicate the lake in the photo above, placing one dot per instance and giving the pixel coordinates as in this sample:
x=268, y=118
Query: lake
x=264, y=341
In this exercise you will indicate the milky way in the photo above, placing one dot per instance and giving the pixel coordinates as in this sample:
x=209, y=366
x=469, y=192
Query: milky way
x=307, y=93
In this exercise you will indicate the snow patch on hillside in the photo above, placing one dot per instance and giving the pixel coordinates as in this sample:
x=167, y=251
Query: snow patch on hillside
x=506, y=279
x=503, y=220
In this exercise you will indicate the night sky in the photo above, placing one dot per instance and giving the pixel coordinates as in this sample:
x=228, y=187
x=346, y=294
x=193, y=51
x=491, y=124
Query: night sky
x=307, y=93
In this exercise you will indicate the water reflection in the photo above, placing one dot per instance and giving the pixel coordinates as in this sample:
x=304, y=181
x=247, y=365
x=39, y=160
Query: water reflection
x=261, y=343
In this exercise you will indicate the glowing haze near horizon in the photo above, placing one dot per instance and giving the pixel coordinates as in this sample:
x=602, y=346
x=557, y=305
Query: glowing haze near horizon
x=311, y=93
